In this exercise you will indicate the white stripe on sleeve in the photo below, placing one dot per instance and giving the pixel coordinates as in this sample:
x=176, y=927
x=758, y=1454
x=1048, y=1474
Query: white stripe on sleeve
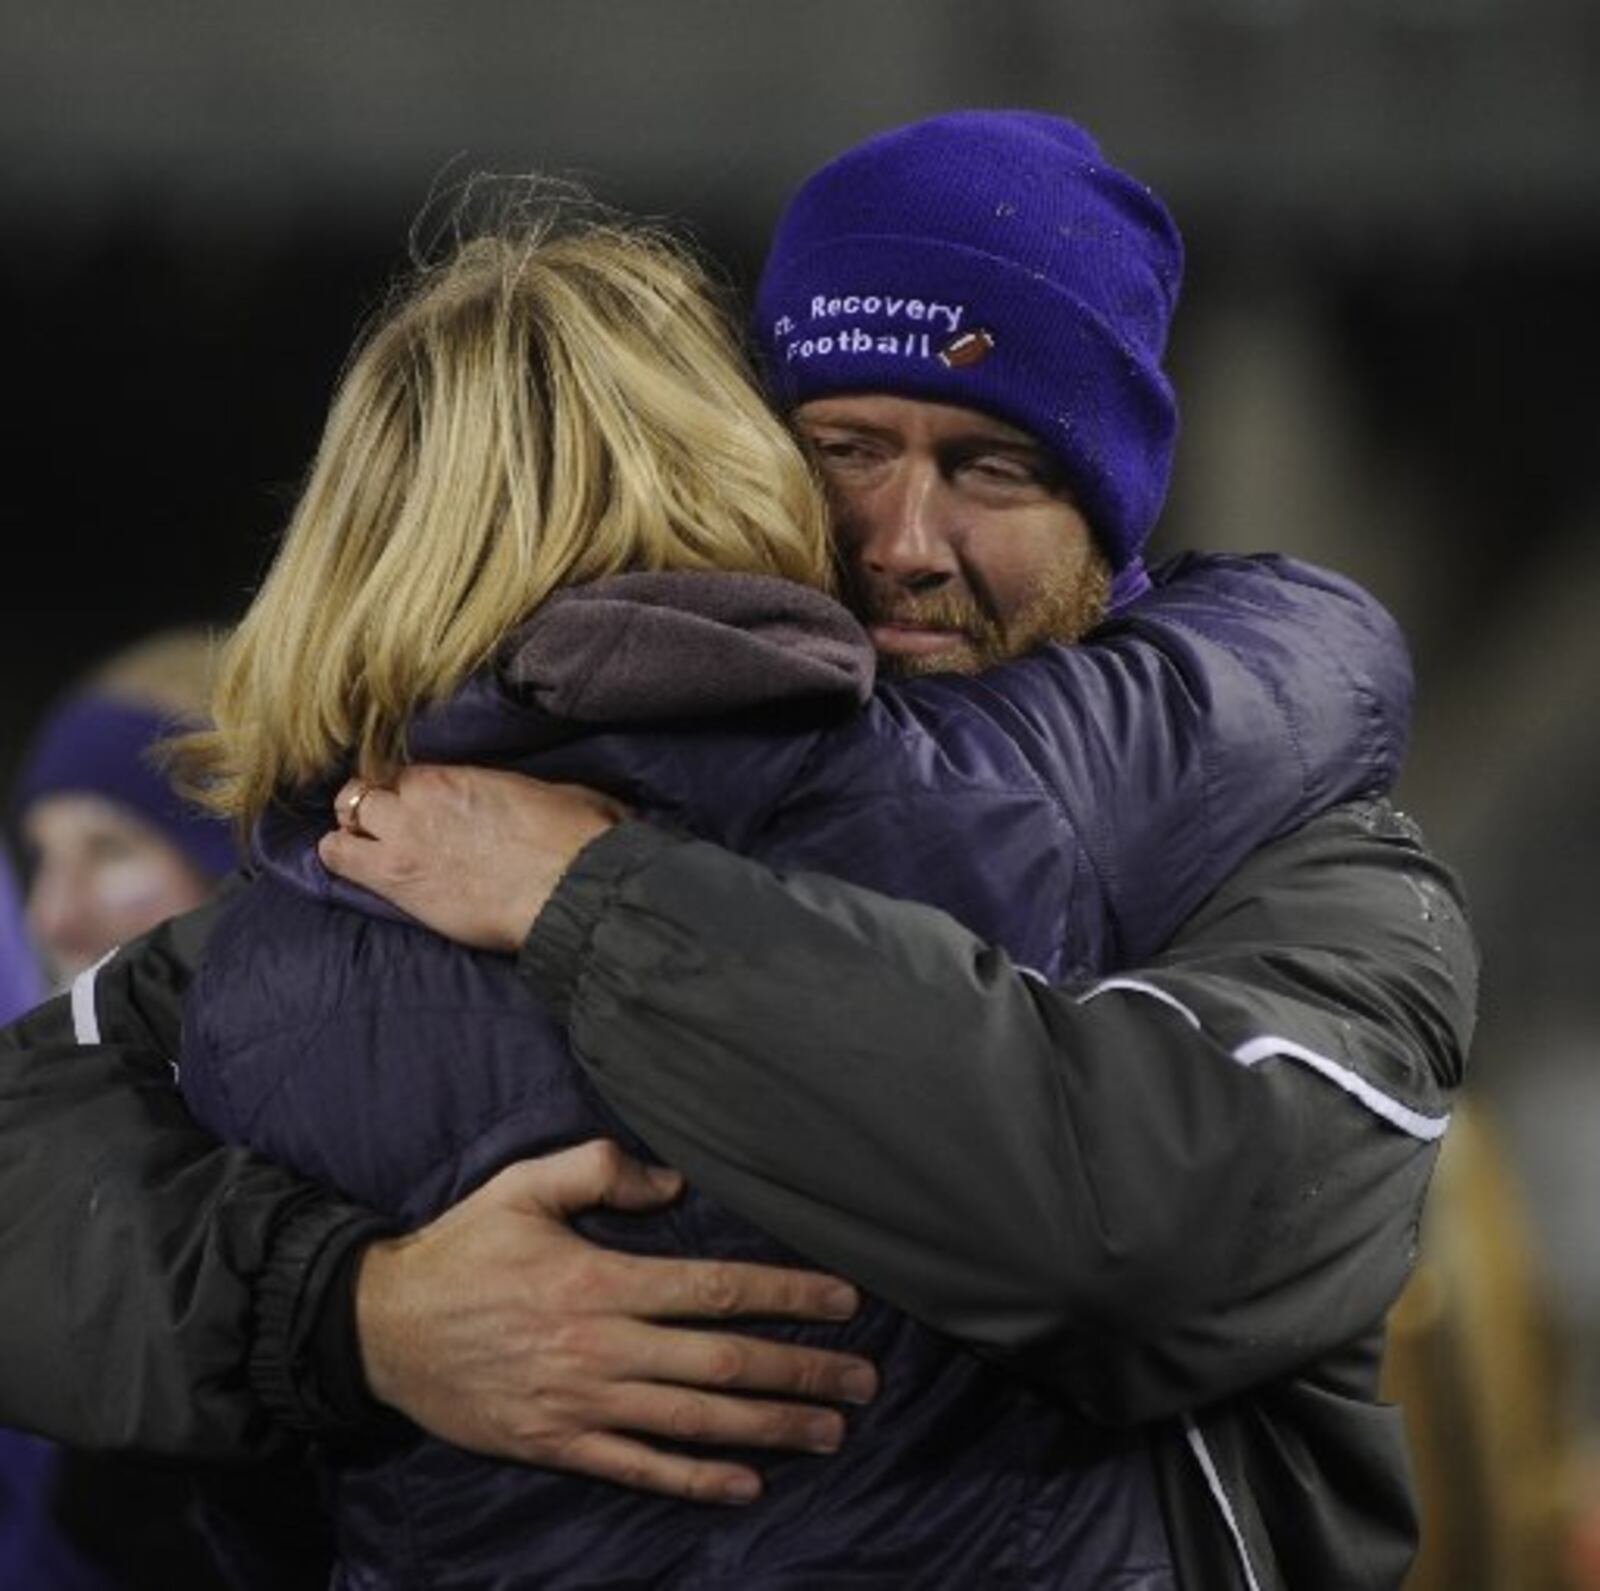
x=1270, y=1047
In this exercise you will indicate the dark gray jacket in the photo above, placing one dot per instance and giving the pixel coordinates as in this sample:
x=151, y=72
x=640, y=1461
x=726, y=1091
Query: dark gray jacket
x=1272, y=1191
x=1169, y=1193
x=1183, y=1197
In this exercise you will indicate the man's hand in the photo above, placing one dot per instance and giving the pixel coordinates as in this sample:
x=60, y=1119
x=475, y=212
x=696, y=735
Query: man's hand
x=499, y=1329
x=472, y=853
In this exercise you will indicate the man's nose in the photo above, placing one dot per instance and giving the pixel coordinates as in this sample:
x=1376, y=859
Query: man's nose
x=902, y=531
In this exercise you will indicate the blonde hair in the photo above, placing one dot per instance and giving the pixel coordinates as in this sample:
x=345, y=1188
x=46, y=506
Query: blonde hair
x=561, y=398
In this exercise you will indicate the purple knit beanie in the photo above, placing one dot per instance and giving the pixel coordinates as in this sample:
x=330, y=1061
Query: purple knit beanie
x=91, y=744
x=991, y=259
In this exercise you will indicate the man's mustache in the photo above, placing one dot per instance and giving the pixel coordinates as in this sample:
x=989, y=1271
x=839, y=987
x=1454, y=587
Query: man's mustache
x=938, y=610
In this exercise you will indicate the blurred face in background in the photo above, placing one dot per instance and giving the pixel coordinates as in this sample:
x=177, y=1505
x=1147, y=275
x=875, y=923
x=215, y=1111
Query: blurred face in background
x=98, y=875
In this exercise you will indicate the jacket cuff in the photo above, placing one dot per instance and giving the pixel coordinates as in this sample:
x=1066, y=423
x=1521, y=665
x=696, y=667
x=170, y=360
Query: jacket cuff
x=552, y=956
x=305, y=1357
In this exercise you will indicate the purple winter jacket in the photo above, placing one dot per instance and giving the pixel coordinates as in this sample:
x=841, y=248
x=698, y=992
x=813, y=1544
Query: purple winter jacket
x=1071, y=807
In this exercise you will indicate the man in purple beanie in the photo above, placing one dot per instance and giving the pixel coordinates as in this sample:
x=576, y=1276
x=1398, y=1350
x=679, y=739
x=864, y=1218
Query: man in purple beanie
x=990, y=261
x=1177, y=1200
x=966, y=318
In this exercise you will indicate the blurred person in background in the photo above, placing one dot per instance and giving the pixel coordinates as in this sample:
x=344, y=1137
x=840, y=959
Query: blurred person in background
x=108, y=846
x=1479, y=1366
x=108, y=850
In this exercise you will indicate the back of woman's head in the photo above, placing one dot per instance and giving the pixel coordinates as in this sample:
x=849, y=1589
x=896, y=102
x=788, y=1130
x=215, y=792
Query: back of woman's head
x=559, y=398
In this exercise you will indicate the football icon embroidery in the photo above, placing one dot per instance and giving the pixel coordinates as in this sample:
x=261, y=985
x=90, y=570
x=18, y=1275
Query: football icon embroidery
x=966, y=349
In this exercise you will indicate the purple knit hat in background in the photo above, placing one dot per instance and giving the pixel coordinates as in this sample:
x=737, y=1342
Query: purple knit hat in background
x=92, y=744
x=991, y=259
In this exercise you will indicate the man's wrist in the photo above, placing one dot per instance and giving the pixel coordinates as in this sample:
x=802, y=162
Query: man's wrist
x=553, y=954
x=377, y=1317
x=337, y=1366
x=305, y=1362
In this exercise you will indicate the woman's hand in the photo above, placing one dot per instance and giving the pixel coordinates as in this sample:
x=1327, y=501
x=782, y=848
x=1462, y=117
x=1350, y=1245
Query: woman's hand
x=472, y=853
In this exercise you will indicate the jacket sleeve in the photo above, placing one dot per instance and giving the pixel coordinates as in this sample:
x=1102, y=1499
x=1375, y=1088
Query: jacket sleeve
x=160, y=1288
x=1148, y=1192
x=1238, y=699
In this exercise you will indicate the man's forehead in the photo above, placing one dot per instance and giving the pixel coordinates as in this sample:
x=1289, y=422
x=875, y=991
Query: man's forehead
x=891, y=412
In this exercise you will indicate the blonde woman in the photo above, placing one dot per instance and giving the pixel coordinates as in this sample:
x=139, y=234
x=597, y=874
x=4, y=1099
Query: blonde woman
x=553, y=527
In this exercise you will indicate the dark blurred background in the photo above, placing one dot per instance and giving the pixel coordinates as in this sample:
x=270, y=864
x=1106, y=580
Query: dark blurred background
x=1387, y=351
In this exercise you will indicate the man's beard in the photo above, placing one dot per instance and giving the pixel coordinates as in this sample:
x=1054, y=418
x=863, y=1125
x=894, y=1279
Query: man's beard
x=1067, y=605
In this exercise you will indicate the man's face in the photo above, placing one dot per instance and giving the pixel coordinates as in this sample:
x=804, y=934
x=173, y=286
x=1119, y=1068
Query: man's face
x=959, y=542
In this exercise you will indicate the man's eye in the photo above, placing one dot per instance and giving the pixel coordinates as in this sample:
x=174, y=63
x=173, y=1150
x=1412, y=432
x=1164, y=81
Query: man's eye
x=1003, y=469
x=840, y=450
